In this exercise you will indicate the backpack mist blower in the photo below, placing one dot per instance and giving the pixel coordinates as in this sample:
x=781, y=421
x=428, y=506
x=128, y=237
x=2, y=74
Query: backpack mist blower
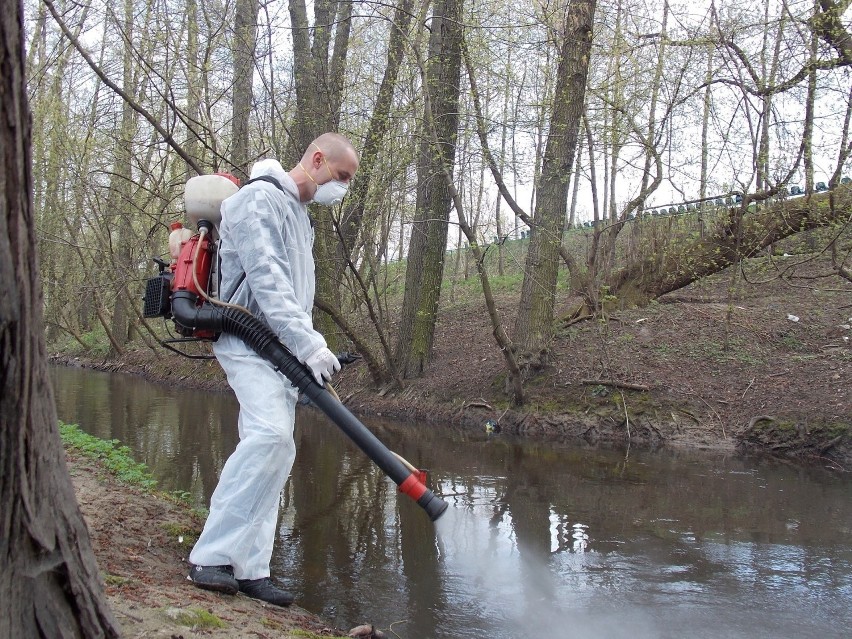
x=186, y=291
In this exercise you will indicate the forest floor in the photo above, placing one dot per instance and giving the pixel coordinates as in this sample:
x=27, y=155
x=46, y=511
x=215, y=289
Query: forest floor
x=764, y=370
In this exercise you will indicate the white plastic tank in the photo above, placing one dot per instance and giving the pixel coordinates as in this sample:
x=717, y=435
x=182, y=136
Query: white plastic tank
x=204, y=194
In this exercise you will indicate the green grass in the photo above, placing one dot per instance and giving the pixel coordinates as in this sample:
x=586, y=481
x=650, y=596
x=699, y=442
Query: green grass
x=195, y=618
x=115, y=580
x=115, y=458
x=96, y=343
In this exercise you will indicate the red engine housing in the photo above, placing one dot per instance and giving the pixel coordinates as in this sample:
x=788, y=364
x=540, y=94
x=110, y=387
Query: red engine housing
x=201, y=260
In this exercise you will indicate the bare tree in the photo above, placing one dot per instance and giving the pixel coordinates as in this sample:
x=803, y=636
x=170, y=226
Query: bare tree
x=243, y=46
x=49, y=582
x=534, y=324
x=428, y=243
x=319, y=54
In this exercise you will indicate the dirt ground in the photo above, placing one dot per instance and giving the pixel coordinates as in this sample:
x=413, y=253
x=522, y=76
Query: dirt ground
x=141, y=541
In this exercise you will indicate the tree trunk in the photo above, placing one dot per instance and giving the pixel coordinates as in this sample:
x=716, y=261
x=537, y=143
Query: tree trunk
x=193, y=88
x=705, y=147
x=356, y=199
x=808, y=134
x=119, y=201
x=318, y=71
x=319, y=68
x=243, y=47
x=669, y=271
x=534, y=324
x=49, y=582
x=656, y=86
x=514, y=381
x=428, y=243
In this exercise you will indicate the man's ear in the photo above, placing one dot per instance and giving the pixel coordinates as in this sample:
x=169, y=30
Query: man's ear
x=316, y=160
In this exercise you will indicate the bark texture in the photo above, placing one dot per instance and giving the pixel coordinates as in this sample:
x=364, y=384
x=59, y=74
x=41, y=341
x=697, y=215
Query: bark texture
x=49, y=583
x=319, y=55
x=245, y=38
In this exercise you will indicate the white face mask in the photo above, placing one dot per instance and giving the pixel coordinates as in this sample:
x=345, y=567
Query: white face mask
x=331, y=193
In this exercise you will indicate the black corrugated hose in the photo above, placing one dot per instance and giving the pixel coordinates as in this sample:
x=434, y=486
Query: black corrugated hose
x=260, y=338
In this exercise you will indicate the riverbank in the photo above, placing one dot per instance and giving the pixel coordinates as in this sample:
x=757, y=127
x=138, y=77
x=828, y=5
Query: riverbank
x=141, y=540
x=762, y=367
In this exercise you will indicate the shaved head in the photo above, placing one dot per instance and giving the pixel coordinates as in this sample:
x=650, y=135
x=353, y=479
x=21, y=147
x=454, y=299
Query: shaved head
x=330, y=156
x=335, y=146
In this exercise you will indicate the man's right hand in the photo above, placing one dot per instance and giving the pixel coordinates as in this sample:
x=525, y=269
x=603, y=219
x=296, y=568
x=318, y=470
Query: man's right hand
x=323, y=364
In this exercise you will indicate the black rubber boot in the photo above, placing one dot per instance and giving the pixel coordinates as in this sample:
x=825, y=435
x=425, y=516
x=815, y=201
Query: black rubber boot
x=218, y=578
x=264, y=590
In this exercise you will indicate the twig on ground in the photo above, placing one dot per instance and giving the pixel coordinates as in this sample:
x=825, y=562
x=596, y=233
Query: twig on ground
x=706, y=403
x=129, y=616
x=615, y=384
x=576, y=320
x=390, y=628
x=626, y=415
x=482, y=404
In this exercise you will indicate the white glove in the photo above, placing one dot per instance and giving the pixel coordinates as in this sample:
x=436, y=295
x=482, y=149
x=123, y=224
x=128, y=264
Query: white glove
x=323, y=364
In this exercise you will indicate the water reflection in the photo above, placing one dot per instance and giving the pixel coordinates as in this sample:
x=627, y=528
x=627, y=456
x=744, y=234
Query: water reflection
x=541, y=539
x=183, y=437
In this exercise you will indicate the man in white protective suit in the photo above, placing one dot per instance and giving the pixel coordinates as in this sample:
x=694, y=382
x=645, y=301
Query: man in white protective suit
x=267, y=266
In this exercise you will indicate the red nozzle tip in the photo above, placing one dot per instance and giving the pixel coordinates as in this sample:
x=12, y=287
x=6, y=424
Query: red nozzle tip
x=412, y=486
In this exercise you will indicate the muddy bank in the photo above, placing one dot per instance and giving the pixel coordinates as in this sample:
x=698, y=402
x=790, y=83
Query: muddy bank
x=760, y=366
x=141, y=541
x=594, y=411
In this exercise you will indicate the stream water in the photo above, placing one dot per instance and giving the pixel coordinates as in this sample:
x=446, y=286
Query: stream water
x=540, y=540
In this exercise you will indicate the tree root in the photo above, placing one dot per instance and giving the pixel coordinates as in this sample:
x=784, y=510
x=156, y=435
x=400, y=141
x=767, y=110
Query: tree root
x=757, y=418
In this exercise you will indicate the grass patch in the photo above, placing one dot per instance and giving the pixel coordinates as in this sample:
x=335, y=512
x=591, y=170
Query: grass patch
x=115, y=458
x=266, y=622
x=116, y=580
x=793, y=343
x=194, y=618
x=94, y=343
x=181, y=533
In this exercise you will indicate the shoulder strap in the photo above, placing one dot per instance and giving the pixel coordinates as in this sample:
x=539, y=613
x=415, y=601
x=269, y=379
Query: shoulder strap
x=236, y=288
x=260, y=178
x=277, y=184
x=265, y=178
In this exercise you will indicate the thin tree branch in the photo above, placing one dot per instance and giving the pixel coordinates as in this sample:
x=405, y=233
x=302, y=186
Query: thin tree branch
x=167, y=137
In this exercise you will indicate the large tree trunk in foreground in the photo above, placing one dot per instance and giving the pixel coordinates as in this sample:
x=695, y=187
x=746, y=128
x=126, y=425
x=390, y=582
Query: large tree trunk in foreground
x=49, y=584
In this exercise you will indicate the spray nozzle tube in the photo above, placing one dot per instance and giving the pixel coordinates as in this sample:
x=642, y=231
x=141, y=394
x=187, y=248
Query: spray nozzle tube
x=260, y=338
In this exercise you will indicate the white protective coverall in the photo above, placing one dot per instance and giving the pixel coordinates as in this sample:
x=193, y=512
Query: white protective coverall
x=266, y=234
